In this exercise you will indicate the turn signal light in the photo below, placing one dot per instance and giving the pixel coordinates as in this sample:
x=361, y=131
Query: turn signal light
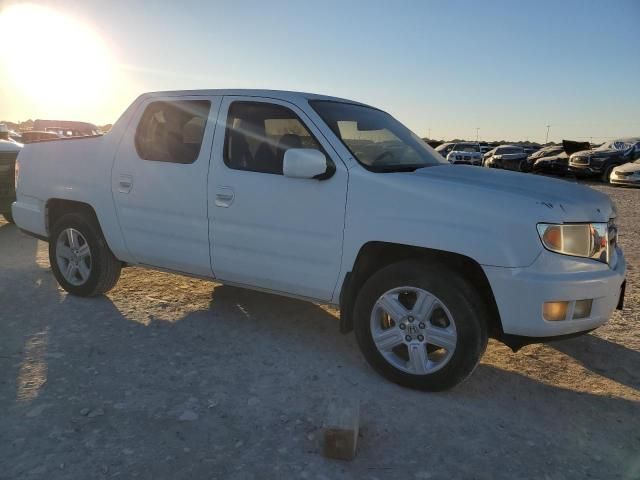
x=555, y=311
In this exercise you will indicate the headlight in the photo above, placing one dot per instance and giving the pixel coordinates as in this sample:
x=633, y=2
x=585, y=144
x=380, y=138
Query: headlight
x=578, y=239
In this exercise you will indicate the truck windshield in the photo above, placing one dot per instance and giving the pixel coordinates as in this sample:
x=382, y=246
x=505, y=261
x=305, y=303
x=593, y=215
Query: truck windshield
x=467, y=147
x=377, y=140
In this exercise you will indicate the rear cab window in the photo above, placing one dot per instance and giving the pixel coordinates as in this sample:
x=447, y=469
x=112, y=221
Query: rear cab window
x=172, y=131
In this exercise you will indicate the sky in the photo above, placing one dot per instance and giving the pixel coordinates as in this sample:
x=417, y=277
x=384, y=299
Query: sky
x=444, y=68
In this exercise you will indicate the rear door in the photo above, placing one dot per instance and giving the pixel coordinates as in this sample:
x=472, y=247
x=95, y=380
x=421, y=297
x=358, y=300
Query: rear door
x=159, y=182
x=270, y=231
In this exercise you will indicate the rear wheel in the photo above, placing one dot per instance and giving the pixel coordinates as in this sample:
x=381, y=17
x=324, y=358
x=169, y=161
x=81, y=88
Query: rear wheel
x=8, y=217
x=420, y=325
x=80, y=258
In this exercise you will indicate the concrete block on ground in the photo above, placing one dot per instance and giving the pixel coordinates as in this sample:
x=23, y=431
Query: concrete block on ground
x=341, y=427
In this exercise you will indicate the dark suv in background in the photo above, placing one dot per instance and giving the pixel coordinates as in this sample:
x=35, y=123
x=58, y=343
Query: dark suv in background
x=554, y=159
x=602, y=160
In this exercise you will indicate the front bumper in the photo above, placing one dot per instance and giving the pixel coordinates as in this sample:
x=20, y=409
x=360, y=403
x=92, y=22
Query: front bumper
x=585, y=170
x=557, y=168
x=521, y=292
x=630, y=181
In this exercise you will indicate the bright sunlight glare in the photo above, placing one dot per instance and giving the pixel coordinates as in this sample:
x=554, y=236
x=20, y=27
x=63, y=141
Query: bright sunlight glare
x=56, y=62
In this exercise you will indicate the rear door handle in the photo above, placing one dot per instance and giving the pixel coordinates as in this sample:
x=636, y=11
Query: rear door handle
x=224, y=197
x=125, y=183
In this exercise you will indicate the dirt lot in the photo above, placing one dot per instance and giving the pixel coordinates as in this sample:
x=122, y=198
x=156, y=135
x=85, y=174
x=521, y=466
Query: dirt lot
x=171, y=377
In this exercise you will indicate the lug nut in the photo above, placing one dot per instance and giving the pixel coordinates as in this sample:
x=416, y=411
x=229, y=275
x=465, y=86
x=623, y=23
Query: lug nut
x=410, y=318
x=422, y=325
x=421, y=338
x=408, y=338
x=402, y=326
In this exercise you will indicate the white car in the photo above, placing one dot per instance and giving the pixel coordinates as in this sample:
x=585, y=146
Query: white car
x=331, y=201
x=465, y=153
x=627, y=174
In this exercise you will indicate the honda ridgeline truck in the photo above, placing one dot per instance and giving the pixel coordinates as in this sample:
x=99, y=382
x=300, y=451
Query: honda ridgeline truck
x=331, y=201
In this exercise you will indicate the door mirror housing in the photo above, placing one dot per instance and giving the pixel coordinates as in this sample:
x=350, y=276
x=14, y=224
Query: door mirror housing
x=307, y=163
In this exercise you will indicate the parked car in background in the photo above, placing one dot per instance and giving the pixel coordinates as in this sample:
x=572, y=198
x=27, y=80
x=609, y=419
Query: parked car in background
x=445, y=148
x=508, y=157
x=425, y=259
x=8, y=153
x=66, y=128
x=9, y=135
x=627, y=174
x=602, y=160
x=555, y=160
x=37, y=136
x=531, y=149
x=465, y=153
x=548, y=151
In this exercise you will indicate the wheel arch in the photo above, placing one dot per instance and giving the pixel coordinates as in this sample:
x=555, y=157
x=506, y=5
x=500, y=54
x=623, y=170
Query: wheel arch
x=57, y=207
x=373, y=256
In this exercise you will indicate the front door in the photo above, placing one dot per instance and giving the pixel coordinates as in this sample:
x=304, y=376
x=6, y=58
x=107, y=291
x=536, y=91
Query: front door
x=270, y=231
x=159, y=182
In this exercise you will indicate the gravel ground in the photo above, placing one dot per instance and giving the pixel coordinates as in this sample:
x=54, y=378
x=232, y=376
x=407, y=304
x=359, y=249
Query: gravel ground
x=171, y=377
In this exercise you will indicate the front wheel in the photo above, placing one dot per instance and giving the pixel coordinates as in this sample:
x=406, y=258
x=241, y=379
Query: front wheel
x=420, y=325
x=606, y=176
x=80, y=258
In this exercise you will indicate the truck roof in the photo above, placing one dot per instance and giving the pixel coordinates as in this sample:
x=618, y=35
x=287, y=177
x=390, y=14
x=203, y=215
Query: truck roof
x=276, y=94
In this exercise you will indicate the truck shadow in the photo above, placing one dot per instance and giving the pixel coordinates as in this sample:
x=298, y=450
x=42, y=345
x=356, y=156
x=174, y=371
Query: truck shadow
x=259, y=368
x=603, y=357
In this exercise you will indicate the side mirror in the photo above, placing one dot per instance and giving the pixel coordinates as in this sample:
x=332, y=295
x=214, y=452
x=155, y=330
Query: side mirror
x=306, y=163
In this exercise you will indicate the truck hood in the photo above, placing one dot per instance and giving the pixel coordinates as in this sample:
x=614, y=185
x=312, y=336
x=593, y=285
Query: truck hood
x=557, y=200
x=598, y=153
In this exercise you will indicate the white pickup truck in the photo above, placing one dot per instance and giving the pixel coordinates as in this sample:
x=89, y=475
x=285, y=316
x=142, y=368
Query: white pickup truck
x=332, y=201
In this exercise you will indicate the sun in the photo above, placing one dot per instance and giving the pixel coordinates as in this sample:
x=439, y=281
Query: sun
x=52, y=59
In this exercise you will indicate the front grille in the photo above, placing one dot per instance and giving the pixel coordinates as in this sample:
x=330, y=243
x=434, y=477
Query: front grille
x=624, y=174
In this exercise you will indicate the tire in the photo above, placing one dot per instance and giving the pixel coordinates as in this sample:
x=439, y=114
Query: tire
x=606, y=176
x=523, y=166
x=8, y=217
x=453, y=296
x=95, y=273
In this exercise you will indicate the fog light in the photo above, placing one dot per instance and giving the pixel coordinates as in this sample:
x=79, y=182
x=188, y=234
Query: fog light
x=555, y=311
x=582, y=308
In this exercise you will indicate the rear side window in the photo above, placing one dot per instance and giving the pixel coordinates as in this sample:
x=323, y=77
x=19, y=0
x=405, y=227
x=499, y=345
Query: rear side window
x=172, y=131
x=258, y=135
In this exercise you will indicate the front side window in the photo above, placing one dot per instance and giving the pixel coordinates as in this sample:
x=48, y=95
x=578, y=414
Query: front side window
x=172, y=131
x=258, y=135
x=378, y=141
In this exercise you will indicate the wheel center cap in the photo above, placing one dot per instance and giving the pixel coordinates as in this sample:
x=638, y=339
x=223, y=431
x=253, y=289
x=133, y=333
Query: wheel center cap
x=412, y=329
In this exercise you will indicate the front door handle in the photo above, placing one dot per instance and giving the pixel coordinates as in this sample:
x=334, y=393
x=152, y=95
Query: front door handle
x=125, y=183
x=224, y=197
